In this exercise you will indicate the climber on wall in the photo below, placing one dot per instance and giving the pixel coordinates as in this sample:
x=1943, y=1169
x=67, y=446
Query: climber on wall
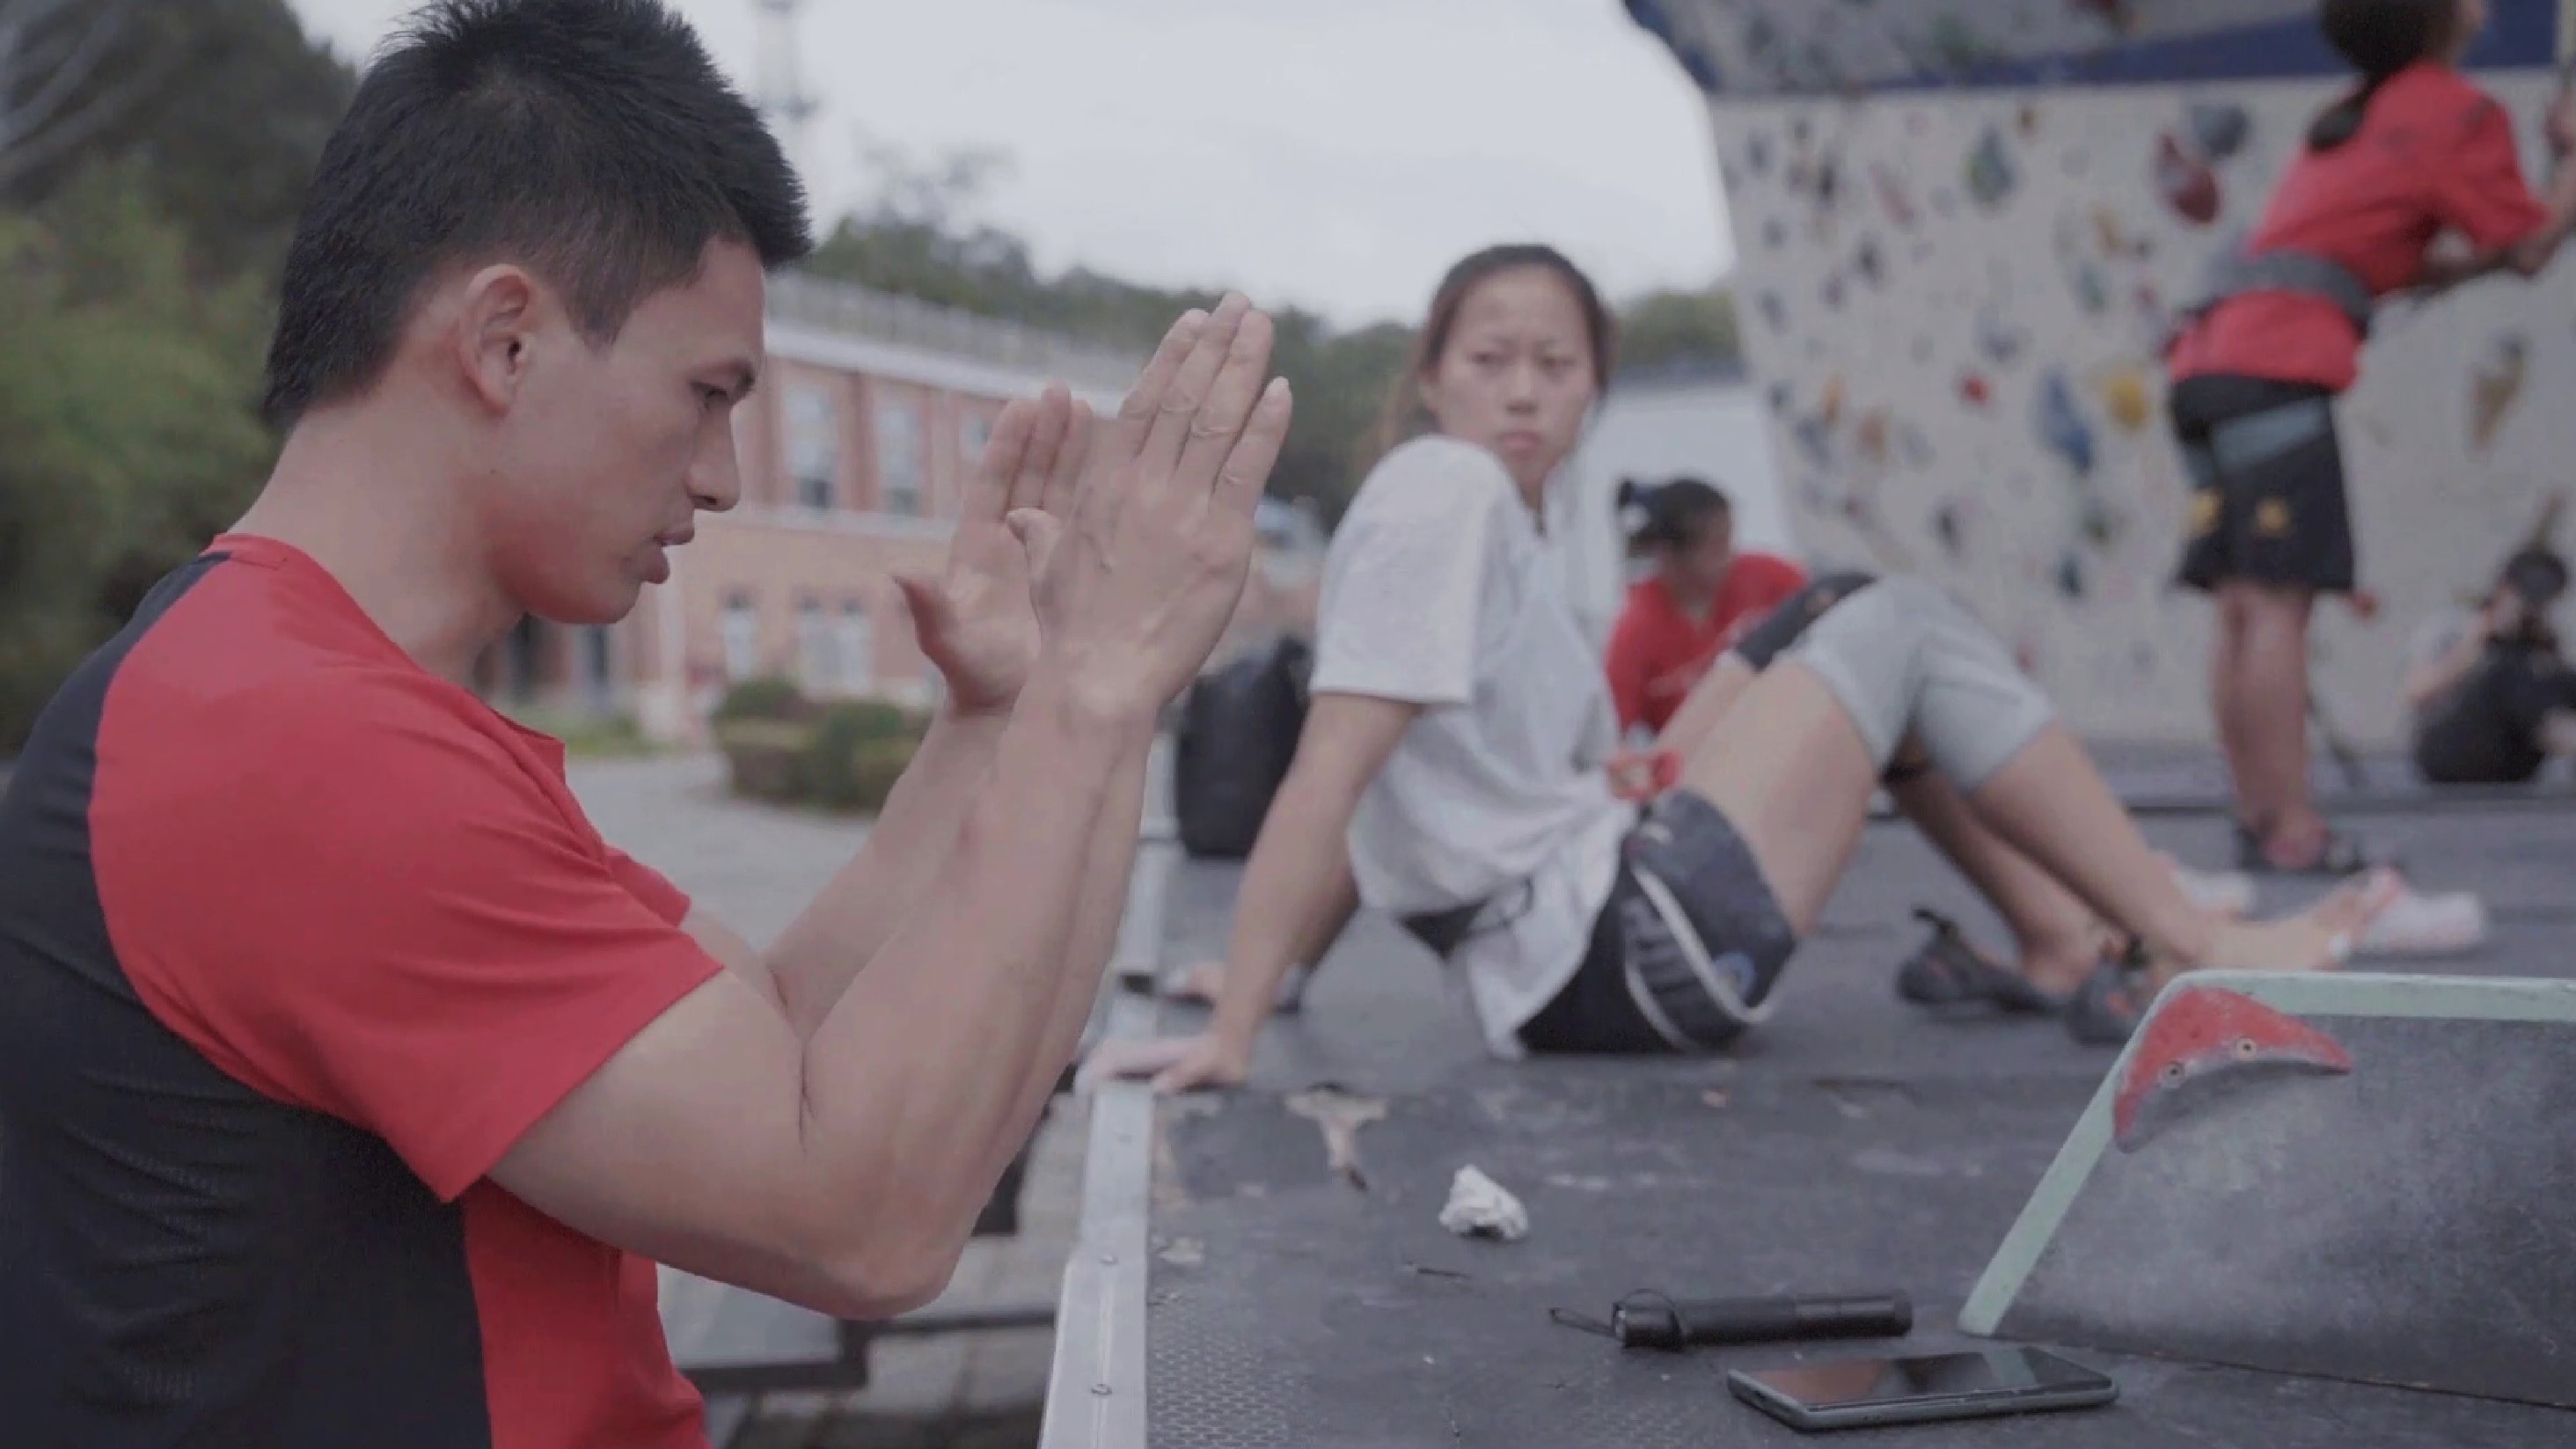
x=2410, y=181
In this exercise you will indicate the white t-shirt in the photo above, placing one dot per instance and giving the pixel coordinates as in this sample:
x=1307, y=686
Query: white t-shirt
x=1439, y=591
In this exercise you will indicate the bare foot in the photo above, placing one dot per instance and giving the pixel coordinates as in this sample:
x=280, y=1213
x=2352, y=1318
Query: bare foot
x=2319, y=938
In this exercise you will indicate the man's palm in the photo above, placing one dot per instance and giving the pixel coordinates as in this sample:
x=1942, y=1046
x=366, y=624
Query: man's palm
x=975, y=622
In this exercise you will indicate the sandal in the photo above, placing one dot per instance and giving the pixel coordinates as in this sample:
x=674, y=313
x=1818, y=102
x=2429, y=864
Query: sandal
x=2104, y=1011
x=2338, y=854
x=1948, y=972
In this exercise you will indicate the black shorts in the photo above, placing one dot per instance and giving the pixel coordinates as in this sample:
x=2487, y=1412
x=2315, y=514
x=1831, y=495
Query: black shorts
x=1685, y=951
x=2485, y=730
x=2267, y=486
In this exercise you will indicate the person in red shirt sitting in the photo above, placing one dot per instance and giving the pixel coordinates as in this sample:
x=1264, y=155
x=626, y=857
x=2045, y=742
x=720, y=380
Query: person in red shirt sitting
x=2411, y=181
x=1701, y=597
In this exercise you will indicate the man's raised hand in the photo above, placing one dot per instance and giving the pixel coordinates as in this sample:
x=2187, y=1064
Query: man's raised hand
x=974, y=620
x=1137, y=591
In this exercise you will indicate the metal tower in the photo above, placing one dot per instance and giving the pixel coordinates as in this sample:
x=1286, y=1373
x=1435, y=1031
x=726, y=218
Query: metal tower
x=783, y=99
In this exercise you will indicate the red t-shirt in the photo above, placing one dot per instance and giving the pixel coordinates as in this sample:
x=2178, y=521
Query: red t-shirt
x=1657, y=652
x=354, y=936
x=2434, y=153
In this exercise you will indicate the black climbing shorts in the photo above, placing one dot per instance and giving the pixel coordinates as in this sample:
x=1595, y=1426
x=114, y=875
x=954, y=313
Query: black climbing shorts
x=1685, y=951
x=2267, y=486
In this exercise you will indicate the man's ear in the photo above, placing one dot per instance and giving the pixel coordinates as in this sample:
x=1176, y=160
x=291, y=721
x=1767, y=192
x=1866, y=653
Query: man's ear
x=495, y=335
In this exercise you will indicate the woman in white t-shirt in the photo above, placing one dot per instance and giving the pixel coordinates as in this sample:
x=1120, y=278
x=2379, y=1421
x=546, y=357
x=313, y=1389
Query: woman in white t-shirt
x=1456, y=764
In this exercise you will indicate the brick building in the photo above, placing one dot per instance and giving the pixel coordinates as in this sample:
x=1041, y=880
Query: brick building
x=854, y=452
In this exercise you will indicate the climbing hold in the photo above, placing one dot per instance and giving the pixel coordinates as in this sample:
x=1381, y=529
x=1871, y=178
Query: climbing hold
x=1974, y=388
x=2219, y=127
x=1892, y=197
x=2060, y=423
x=2070, y=577
x=2186, y=182
x=2099, y=524
x=1775, y=311
x=2493, y=388
x=1990, y=174
x=1998, y=340
x=1830, y=407
x=1870, y=436
x=2204, y=1033
x=1868, y=262
x=2124, y=397
x=1946, y=528
x=1817, y=440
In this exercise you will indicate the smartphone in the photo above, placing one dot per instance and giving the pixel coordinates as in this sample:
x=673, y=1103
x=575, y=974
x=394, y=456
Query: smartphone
x=1859, y=1393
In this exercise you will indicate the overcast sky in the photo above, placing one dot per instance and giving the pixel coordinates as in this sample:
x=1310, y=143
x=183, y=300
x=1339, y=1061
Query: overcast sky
x=1335, y=154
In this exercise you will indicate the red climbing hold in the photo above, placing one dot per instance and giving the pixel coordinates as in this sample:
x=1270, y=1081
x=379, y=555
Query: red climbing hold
x=2204, y=1032
x=2186, y=181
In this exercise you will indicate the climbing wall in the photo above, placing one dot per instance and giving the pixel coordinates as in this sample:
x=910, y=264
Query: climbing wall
x=1960, y=249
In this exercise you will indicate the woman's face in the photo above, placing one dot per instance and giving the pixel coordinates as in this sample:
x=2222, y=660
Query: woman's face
x=1699, y=566
x=1517, y=375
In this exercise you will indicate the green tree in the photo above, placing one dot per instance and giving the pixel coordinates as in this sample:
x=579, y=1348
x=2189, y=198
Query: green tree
x=224, y=104
x=917, y=237
x=1664, y=329
x=127, y=431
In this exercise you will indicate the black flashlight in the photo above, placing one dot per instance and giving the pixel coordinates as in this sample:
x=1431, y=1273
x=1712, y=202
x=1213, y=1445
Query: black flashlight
x=1655, y=1321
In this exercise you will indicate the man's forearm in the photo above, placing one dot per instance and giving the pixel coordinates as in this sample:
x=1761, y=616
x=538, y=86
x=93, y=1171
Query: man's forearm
x=813, y=962
x=1108, y=863
x=915, y=1081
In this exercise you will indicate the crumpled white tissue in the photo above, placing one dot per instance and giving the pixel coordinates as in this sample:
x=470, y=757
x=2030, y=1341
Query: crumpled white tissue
x=1479, y=1208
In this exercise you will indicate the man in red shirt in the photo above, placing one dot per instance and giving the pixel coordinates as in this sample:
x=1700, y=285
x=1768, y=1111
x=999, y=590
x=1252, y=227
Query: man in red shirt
x=2414, y=153
x=351, y=1084
x=1700, y=598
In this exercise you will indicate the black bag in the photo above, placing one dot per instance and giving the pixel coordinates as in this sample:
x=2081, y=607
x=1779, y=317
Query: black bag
x=1237, y=737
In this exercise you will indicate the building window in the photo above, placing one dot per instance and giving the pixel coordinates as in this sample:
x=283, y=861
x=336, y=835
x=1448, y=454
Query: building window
x=813, y=443
x=899, y=456
x=857, y=647
x=817, y=659
x=741, y=636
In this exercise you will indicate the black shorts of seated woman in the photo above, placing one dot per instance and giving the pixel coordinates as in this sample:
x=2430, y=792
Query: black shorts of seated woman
x=1454, y=769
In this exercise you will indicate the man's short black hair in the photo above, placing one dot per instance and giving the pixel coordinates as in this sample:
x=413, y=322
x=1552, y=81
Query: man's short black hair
x=592, y=141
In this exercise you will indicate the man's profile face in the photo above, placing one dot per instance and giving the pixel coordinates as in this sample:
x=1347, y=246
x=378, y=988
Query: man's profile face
x=606, y=453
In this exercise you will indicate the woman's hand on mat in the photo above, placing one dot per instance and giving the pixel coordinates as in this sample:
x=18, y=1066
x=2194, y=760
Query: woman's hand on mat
x=976, y=621
x=1175, y=1063
x=1151, y=565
